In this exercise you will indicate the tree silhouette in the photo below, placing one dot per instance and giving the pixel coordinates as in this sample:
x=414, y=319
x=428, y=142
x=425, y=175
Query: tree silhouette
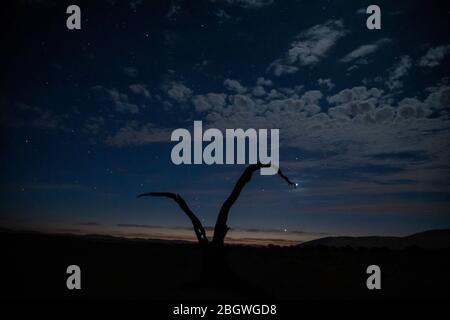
x=221, y=228
x=215, y=268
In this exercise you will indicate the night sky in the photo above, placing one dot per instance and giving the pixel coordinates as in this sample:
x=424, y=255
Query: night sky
x=364, y=115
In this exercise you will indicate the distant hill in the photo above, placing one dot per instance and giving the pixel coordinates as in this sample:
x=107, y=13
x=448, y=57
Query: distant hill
x=432, y=239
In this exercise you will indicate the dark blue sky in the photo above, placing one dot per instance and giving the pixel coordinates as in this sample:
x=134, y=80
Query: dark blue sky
x=86, y=115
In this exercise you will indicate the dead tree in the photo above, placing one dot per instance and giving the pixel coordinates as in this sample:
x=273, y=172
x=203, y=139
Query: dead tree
x=213, y=255
x=221, y=228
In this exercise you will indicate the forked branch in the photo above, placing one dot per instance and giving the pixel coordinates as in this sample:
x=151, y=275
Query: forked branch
x=221, y=228
x=198, y=227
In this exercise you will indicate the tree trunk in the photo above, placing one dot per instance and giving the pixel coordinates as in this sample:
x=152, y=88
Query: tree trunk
x=215, y=268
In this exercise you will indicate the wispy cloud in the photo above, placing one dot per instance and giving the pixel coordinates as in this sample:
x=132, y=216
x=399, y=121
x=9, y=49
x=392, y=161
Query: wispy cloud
x=309, y=47
x=89, y=223
x=119, y=100
x=399, y=71
x=249, y=4
x=434, y=56
x=365, y=50
x=21, y=114
x=131, y=72
x=140, y=89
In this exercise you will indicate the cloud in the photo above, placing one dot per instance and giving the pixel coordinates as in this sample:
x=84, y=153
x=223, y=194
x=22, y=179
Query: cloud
x=46, y=119
x=408, y=155
x=208, y=101
x=261, y=81
x=93, y=125
x=351, y=125
x=89, y=223
x=412, y=108
x=133, y=225
x=140, y=89
x=439, y=99
x=313, y=44
x=259, y=91
x=398, y=71
x=131, y=72
x=365, y=50
x=354, y=102
x=119, y=100
x=248, y=4
x=434, y=56
x=354, y=94
x=361, y=11
x=327, y=83
x=25, y=115
x=234, y=85
x=279, y=68
x=347, y=129
x=178, y=91
x=134, y=134
x=309, y=47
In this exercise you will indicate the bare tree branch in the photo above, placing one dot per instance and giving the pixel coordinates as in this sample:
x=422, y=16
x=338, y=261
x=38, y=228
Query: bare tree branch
x=221, y=228
x=287, y=179
x=198, y=227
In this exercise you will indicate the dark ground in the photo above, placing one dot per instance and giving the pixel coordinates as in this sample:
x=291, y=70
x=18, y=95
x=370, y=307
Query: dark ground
x=34, y=266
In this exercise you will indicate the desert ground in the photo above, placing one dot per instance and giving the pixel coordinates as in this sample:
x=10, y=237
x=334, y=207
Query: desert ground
x=34, y=266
